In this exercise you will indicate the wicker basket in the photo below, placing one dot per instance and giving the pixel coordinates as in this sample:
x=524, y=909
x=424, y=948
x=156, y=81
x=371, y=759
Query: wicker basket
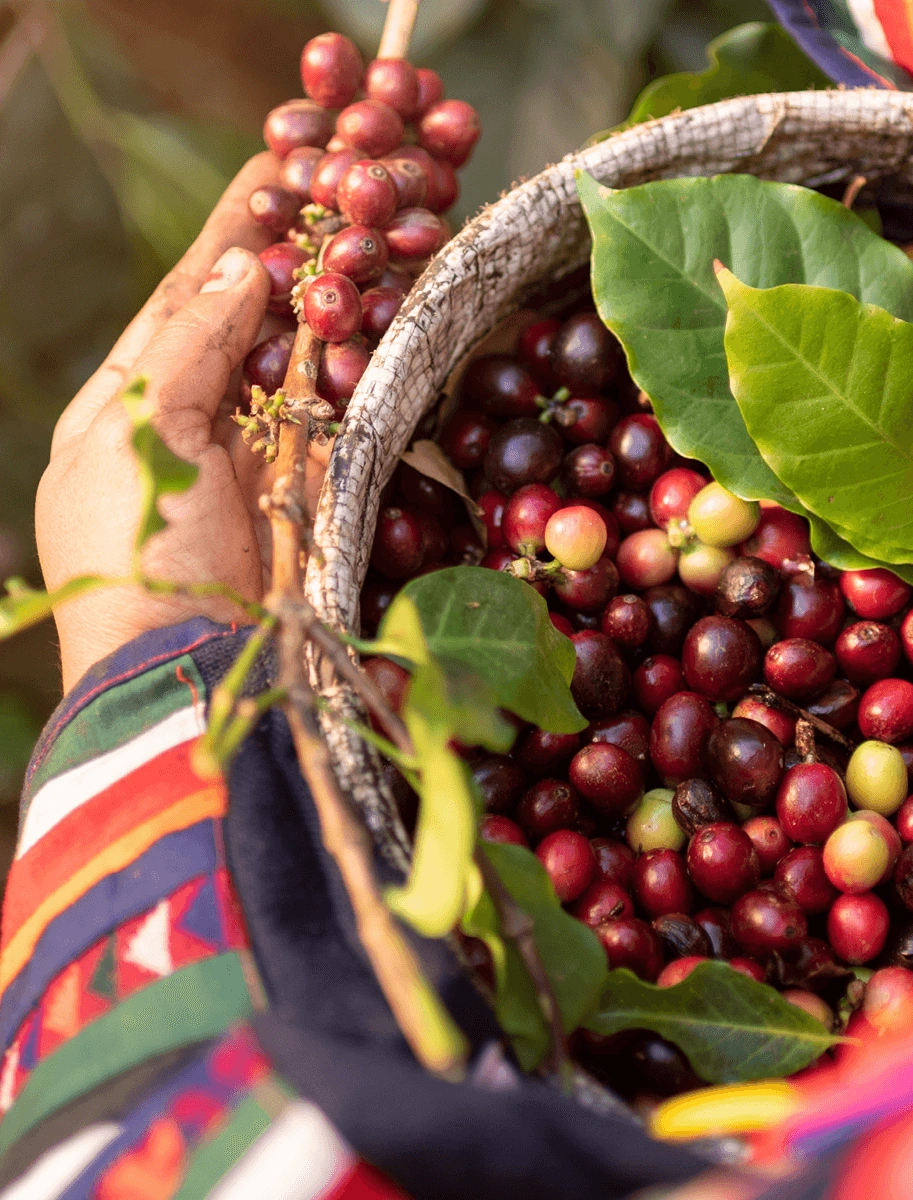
x=536, y=233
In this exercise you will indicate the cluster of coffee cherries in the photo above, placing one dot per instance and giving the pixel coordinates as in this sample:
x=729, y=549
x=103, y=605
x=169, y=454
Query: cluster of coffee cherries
x=741, y=791
x=362, y=185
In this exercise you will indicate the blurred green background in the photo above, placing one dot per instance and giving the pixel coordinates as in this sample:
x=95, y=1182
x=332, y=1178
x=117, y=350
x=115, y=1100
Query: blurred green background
x=120, y=123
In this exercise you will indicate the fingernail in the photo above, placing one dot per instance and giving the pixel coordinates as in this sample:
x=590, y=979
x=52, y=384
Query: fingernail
x=229, y=270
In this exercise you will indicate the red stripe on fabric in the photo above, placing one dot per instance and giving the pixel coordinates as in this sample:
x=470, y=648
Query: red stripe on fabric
x=894, y=16
x=364, y=1182
x=130, y=673
x=855, y=59
x=114, y=812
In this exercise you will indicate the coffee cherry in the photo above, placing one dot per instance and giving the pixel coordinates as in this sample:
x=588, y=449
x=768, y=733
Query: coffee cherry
x=430, y=89
x=888, y=1000
x=867, y=651
x=496, y=828
x=331, y=70
x=409, y=179
x=856, y=857
x=398, y=548
x=396, y=277
x=651, y=826
x=720, y=657
x=857, y=927
x=904, y=820
x=523, y=451
x=297, y=123
x=274, y=208
x=466, y=437
x=701, y=567
x=526, y=516
x=886, y=711
x=614, y=861
x=764, y=923
x=585, y=357
x=672, y=610
x=811, y=608
x=681, y=936
x=327, y=174
x=500, y=781
x=629, y=730
x=576, y=537
x=672, y=493
x=588, y=471
x=267, y=363
x=415, y=233
x=587, y=591
x=876, y=594
x=366, y=196
x=721, y=519
x=837, y=704
x=608, y=777
x=379, y=305
x=780, y=538
x=297, y=172
x=745, y=761
x=769, y=839
x=569, y=862
x=449, y=130
x=811, y=802
x=679, y=736
x=641, y=452
x=372, y=128
x=613, y=538
x=541, y=753
x=332, y=307
x=548, y=806
x=535, y=352
x=723, y=862
x=876, y=777
x=661, y=883
x=358, y=252
x=394, y=82
x=603, y=901
x=748, y=587
x=601, y=681
x=679, y=970
x=342, y=365
x=632, y=511
x=748, y=967
x=497, y=385
x=780, y=724
x=626, y=621
x=812, y=1004
x=716, y=924
x=492, y=505
x=586, y=419
x=630, y=942
x=657, y=680
x=798, y=668
x=697, y=803
x=646, y=559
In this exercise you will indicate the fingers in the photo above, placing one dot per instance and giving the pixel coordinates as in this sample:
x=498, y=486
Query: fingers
x=230, y=224
x=190, y=360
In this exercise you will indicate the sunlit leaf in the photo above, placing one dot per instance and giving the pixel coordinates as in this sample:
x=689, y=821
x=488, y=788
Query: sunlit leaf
x=23, y=606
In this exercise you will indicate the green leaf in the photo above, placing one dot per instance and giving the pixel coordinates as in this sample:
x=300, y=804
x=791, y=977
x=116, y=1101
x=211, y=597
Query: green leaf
x=732, y=1028
x=571, y=954
x=824, y=385
x=498, y=627
x=653, y=279
x=161, y=472
x=751, y=58
x=835, y=549
x=23, y=606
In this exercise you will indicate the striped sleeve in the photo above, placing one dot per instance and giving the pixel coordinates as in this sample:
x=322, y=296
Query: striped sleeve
x=858, y=43
x=124, y=946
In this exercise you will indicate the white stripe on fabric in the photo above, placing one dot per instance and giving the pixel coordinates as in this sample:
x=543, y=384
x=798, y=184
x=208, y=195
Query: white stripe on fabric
x=67, y=792
x=58, y=1167
x=870, y=29
x=300, y=1157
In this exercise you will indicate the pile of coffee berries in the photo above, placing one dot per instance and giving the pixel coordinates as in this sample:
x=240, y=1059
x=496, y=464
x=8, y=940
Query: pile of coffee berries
x=369, y=164
x=741, y=790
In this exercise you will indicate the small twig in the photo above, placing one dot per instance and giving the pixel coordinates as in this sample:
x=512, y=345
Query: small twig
x=773, y=700
x=519, y=926
x=394, y=42
x=805, y=740
x=853, y=188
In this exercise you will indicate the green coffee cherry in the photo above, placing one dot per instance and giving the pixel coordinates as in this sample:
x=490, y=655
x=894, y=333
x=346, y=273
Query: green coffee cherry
x=719, y=518
x=876, y=778
x=651, y=826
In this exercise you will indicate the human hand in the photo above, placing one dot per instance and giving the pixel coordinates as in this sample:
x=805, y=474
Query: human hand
x=189, y=340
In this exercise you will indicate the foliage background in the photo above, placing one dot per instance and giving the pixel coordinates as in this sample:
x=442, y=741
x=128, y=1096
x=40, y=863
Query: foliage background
x=121, y=121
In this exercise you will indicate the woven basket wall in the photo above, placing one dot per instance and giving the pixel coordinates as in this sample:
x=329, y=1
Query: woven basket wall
x=536, y=233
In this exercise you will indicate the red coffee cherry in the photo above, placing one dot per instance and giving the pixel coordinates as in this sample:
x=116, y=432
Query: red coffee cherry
x=569, y=860
x=414, y=233
x=886, y=711
x=449, y=130
x=876, y=594
x=332, y=307
x=723, y=862
x=358, y=252
x=327, y=174
x=297, y=123
x=331, y=69
x=370, y=127
x=394, y=82
x=366, y=194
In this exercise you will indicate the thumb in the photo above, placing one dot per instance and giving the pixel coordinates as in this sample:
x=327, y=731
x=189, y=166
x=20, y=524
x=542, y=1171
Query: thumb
x=190, y=360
